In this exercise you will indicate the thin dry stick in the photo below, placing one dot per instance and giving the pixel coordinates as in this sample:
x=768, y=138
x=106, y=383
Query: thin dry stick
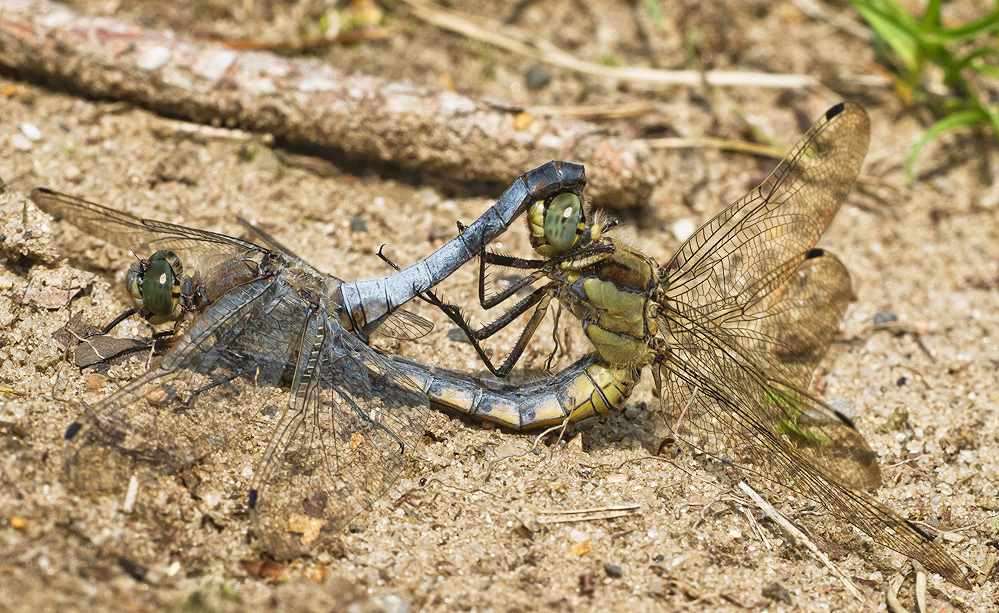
x=561, y=426
x=581, y=515
x=305, y=102
x=891, y=594
x=721, y=144
x=130, y=495
x=757, y=528
x=595, y=111
x=795, y=532
x=530, y=45
x=990, y=564
x=920, y=590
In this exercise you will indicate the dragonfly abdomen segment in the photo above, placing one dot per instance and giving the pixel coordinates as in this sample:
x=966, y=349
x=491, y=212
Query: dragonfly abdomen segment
x=588, y=387
x=367, y=303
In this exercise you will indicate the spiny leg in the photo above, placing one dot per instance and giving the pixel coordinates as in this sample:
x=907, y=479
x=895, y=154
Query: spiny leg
x=540, y=298
x=498, y=259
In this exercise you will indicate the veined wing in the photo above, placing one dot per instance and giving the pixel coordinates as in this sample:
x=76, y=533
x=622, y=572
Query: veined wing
x=208, y=253
x=786, y=328
x=773, y=227
x=401, y=324
x=404, y=325
x=716, y=399
x=208, y=386
x=340, y=444
x=199, y=249
x=707, y=357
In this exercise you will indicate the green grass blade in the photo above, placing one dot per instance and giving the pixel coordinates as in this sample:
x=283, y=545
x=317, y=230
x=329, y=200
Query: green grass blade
x=951, y=122
x=895, y=27
x=985, y=26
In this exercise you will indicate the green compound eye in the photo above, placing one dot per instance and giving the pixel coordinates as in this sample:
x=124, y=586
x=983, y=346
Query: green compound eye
x=155, y=284
x=157, y=288
x=562, y=222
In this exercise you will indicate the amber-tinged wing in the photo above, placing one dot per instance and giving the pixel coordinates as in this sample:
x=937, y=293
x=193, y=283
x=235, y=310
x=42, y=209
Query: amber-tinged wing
x=716, y=398
x=773, y=227
x=352, y=420
x=749, y=309
x=787, y=328
x=751, y=279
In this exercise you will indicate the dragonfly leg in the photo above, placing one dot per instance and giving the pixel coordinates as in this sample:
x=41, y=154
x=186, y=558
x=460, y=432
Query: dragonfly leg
x=114, y=323
x=105, y=351
x=540, y=299
x=555, y=341
x=193, y=396
x=506, y=261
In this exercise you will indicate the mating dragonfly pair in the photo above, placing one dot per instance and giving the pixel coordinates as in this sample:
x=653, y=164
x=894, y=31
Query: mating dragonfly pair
x=732, y=329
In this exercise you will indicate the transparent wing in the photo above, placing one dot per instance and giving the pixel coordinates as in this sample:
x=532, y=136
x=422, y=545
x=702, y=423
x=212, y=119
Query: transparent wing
x=341, y=443
x=719, y=401
x=401, y=324
x=197, y=249
x=786, y=328
x=209, y=384
x=405, y=326
x=773, y=227
x=266, y=238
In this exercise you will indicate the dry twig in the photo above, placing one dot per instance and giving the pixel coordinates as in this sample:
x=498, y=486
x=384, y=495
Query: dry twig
x=597, y=513
x=304, y=102
x=796, y=533
x=528, y=44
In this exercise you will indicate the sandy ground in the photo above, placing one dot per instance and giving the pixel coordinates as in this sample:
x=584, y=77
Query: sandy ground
x=469, y=524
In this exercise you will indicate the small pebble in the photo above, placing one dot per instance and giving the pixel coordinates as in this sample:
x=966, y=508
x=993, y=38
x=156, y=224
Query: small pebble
x=778, y=593
x=94, y=382
x=522, y=121
x=318, y=572
x=31, y=131
x=457, y=335
x=613, y=570
x=576, y=444
x=952, y=537
x=357, y=224
x=390, y=603
x=884, y=317
x=72, y=173
x=843, y=405
x=537, y=77
x=355, y=528
x=17, y=522
x=20, y=142
x=683, y=228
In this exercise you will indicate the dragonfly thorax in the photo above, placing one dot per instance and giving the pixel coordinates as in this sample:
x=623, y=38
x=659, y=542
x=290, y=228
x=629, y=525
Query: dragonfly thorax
x=612, y=298
x=155, y=285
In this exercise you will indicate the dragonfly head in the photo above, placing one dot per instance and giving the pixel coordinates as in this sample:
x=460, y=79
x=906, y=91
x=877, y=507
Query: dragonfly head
x=155, y=285
x=556, y=224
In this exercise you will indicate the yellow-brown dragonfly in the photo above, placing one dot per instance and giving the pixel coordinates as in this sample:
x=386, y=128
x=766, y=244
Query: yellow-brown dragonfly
x=732, y=328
